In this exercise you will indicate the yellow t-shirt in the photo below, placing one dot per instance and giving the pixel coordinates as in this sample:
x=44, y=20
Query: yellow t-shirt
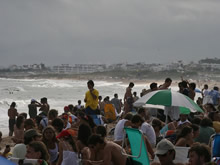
x=90, y=101
x=109, y=110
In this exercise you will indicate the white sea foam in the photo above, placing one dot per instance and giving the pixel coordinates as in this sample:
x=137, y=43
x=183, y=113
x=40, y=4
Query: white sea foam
x=59, y=93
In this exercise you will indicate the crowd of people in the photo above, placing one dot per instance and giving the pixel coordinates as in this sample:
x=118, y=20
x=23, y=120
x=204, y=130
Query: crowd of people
x=81, y=135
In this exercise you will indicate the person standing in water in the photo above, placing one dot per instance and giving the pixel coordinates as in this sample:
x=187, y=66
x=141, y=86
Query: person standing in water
x=12, y=113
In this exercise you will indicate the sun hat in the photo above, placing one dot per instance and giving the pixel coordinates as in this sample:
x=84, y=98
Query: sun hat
x=163, y=146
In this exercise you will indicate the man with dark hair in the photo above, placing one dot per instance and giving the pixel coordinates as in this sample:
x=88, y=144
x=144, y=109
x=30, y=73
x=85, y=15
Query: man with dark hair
x=91, y=99
x=153, y=87
x=199, y=154
x=147, y=129
x=215, y=95
x=105, y=151
x=116, y=102
x=137, y=122
x=19, y=150
x=166, y=84
x=166, y=153
x=119, y=128
x=128, y=98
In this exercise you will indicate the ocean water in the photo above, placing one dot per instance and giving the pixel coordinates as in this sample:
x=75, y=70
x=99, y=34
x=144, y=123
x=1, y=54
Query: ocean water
x=59, y=93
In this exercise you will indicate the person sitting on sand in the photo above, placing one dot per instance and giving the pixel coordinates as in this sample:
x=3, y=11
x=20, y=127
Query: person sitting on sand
x=199, y=154
x=106, y=152
x=47, y=120
x=166, y=153
x=37, y=150
x=29, y=124
x=6, y=150
x=185, y=137
x=19, y=150
x=52, y=143
x=12, y=113
x=137, y=122
x=68, y=153
x=19, y=130
x=84, y=132
x=119, y=128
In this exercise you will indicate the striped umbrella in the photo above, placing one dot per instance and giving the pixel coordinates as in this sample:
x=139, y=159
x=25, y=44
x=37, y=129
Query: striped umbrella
x=169, y=98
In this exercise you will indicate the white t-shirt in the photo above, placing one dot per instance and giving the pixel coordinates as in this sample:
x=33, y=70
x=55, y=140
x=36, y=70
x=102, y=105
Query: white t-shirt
x=148, y=131
x=44, y=122
x=119, y=130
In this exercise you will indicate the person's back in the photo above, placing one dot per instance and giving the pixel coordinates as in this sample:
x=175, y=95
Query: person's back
x=116, y=102
x=12, y=113
x=109, y=111
x=204, y=134
x=111, y=154
x=215, y=96
x=148, y=130
x=119, y=128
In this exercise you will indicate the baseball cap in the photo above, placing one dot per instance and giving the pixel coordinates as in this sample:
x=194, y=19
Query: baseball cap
x=163, y=146
x=31, y=133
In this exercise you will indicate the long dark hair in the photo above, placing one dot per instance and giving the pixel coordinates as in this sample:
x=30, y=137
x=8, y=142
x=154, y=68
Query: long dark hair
x=44, y=139
x=19, y=121
x=83, y=133
x=71, y=141
x=185, y=131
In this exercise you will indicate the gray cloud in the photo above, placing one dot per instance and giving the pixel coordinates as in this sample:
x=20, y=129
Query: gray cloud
x=108, y=31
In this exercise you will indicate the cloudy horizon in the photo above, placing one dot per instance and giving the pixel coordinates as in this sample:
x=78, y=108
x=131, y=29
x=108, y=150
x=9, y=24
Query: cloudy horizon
x=57, y=32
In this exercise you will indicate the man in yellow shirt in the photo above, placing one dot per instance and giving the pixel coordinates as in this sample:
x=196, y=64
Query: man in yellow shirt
x=91, y=99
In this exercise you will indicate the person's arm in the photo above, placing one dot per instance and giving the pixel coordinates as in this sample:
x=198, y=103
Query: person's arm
x=149, y=148
x=60, y=153
x=93, y=95
x=181, y=142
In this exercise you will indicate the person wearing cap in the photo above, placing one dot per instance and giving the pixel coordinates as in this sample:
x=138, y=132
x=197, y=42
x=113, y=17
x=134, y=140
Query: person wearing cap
x=165, y=151
x=20, y=150
x=32, y=108
x=91, y=99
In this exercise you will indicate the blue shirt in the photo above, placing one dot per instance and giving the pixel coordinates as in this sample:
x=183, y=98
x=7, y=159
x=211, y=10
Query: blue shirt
x=215, y=96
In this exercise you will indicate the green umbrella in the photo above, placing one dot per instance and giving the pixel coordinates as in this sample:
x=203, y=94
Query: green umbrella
x=169, y=98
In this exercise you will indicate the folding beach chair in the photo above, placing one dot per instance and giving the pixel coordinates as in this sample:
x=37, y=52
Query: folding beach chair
x=138, y=148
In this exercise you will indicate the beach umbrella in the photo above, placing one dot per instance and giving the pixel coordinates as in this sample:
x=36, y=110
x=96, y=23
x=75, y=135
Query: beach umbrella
x=169, y=98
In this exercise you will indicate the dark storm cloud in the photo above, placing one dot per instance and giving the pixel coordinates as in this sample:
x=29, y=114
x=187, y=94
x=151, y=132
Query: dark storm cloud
x=108, y=31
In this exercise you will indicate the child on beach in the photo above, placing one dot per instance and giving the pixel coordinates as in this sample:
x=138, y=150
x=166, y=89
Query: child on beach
x=12, y=113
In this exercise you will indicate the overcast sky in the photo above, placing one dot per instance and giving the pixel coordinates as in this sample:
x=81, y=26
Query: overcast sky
x=108, y=31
